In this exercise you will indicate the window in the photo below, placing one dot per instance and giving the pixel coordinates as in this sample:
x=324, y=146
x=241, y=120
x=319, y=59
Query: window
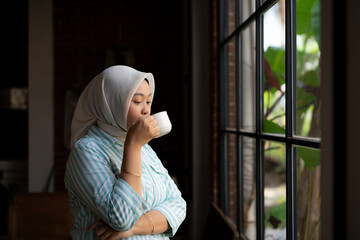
x=269, y=170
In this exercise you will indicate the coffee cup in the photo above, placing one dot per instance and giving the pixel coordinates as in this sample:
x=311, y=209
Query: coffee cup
x=163, y=122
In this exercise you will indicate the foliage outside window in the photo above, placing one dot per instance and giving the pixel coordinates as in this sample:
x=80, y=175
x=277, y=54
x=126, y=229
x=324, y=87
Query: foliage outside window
x=270, y=117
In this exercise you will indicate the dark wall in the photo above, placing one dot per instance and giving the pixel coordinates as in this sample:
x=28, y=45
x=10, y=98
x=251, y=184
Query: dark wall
x=144, y=34
x=13, y=67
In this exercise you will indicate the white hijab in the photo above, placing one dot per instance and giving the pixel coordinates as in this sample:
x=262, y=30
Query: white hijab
x=106, y=100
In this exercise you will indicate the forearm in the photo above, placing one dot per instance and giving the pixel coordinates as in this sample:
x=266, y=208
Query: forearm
x=139, y=134
x=131, y=167
x=154, y=223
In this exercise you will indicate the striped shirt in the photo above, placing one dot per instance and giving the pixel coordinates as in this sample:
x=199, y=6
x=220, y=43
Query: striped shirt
x=97, y=192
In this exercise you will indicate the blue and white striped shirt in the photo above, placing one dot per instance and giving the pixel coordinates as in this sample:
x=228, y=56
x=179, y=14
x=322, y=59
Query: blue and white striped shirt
x=96, y=190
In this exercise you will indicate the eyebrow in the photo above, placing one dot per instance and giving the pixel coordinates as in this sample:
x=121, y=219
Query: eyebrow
x=141, y=94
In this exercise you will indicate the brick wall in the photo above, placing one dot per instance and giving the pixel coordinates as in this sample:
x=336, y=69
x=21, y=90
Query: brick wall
x=84, y=31
x=231, y=104
x=232, y=115
x=215, y=73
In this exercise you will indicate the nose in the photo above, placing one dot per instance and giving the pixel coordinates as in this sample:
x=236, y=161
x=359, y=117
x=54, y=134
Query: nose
x=145, y=109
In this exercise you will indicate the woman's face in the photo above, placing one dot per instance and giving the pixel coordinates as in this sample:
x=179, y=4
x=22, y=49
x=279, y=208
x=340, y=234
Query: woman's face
x=140, y=104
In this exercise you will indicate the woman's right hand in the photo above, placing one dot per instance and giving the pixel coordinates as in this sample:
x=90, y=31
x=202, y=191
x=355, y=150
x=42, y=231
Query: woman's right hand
x=104, y=232
x=142, y=131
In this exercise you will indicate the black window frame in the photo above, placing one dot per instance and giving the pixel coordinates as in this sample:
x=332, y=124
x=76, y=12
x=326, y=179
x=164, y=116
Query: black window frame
x=289, y=139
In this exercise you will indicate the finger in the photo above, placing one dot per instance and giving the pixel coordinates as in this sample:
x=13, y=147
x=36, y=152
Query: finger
x=151, y=121
x=154, y=123
x=113, y=236
x=146, y=118
x=107, y=234
x=157, y=130
x=150, y=118
x=101, y=229
x=94, y=225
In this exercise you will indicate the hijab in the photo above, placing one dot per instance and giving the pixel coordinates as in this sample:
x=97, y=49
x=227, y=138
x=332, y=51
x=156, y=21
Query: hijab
x=106, y=100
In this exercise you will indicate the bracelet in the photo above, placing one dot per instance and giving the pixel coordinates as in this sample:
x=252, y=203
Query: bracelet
x=151, y=222
x=131, y=173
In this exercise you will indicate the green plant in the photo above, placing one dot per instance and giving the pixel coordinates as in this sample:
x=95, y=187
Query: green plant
x=307, y=108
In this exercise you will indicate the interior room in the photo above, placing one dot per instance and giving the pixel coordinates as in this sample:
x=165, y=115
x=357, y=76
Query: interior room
x=230, y=90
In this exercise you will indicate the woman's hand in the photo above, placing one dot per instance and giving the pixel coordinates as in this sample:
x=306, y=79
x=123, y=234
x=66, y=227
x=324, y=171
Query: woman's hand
x=105, y=232
x=142, y=131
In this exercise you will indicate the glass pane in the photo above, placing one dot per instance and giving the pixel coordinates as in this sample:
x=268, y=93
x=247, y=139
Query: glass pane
x=308, y=193
x=308, y=70
x=275, y=190
x=231, y=87
x=274, y=69
x=233, y=189
x=247, y=8
x=231, y=16
x=248, y=148
x=248, y=78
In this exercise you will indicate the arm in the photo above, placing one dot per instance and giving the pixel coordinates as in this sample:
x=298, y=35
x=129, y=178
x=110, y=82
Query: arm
x=145, y=225
x=155, y=219
x=89, y=177
x=174, y=206
x=167, y=215
x=139, y=134
x=171, y=211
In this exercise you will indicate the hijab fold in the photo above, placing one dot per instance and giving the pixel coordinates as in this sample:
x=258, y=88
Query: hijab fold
x=105, y=101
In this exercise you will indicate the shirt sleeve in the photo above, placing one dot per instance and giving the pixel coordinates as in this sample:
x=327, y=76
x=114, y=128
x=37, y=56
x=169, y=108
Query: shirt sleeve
x=90, y=178
x=174, y=206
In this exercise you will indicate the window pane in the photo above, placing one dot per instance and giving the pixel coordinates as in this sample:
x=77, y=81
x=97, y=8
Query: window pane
x=308, y=71
x=274, y=69
x=275, y=190
x=247, y=8
x=248, y=148
x=248, y=78
x=231, y=85
x=233, y=189
x=231, y=16
x=308, y=192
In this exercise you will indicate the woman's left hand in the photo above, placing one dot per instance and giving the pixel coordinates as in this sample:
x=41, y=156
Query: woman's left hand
x=105, y=232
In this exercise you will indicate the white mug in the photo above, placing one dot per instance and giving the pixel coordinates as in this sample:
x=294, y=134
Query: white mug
x=163, y=122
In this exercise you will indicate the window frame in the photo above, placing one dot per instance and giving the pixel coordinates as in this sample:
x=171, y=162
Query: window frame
x=289, y=139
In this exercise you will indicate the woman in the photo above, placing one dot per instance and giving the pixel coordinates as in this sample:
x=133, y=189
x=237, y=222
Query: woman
x=117, y=185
